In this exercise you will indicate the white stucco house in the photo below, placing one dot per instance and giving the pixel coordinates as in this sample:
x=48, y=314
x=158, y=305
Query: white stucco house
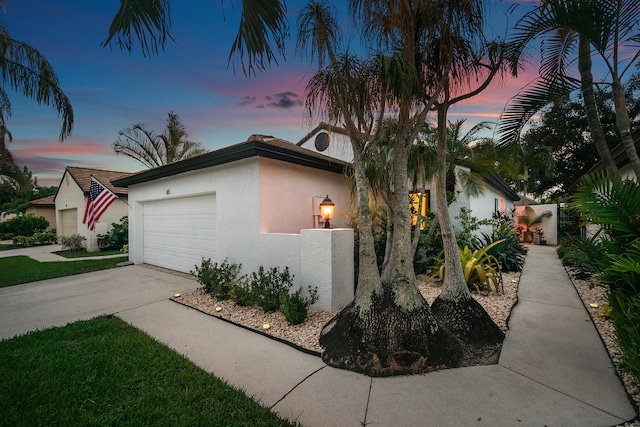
x=71, y=200
x=255, y=203
x=497, y=195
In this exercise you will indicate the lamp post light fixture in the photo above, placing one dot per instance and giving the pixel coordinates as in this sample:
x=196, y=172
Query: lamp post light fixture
x=326, y=211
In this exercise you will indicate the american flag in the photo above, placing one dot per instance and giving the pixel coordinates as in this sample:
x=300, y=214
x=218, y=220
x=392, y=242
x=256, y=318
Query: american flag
x=99, y=200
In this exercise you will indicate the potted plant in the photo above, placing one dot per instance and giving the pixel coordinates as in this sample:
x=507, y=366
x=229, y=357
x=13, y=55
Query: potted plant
x=529, y=219
x=541, y=239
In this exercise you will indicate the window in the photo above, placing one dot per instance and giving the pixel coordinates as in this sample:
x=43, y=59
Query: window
x=415, y=199
x=322, y=141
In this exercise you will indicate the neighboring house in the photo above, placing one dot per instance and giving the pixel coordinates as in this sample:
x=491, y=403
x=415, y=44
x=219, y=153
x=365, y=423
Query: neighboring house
x=44, y=207
x=497, y=195
x=253, y=203
x=71, y=201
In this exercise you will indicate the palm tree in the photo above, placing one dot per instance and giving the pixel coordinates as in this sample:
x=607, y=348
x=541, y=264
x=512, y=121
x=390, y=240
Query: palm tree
x=607, y=26
x=26, y=71
x=154, y=150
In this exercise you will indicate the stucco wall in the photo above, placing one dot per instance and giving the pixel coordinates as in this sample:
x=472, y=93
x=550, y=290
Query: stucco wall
x=286, y=196
x=71, y=196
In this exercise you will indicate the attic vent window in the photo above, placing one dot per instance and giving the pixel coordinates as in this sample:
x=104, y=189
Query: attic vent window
x=322, y=141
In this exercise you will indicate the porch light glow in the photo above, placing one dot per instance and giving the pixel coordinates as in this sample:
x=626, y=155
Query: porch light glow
x=326, y=211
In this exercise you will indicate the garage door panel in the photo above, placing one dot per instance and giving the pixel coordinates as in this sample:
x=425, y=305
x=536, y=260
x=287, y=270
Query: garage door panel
x=178, y=233
x=69, y=219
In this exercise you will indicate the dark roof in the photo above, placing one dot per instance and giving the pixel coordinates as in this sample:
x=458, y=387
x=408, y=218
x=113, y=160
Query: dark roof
x=498, y=183
x=82, y=177
x=256, y=145
x=322, y=126
x=43, y=202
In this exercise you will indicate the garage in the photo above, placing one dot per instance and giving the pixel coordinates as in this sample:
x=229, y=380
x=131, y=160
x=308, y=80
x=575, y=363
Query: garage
x=178, y=233
x=69, y=222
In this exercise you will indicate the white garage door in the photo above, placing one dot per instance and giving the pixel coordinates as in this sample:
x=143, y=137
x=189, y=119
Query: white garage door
x=69, y=219
x=178, y=233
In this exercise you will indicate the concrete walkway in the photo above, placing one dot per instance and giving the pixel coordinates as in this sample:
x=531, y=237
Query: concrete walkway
x=46, y=253
x=553, y=369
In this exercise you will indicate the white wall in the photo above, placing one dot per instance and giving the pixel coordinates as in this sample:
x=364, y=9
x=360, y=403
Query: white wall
x=339, y=146
x=548, y=225
x=71, y=196
x=286, y=196
x=262, y=206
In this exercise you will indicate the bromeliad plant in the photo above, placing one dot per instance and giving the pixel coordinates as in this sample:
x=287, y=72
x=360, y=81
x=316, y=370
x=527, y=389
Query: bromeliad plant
x=480, y=269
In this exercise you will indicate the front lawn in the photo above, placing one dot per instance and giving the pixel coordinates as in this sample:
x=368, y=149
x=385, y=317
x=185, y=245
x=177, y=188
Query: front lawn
x=106, y=372
x=4, y=247
x=22, y=269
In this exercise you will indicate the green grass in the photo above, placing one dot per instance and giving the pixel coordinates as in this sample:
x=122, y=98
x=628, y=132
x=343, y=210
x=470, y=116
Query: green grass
x=84, y=254
x=4, y=247
x=22, y=269
x=106, y=372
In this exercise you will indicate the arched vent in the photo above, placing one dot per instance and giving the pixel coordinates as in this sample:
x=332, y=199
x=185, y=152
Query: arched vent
x=322, y=141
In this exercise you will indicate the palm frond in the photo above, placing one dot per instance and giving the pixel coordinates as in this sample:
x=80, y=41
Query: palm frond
x=26, y=71
x=144, y=21
x=262, y=23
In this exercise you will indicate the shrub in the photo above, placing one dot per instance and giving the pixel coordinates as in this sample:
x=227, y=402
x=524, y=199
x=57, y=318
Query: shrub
x=217, y=280
x=625, y=313
x=118, y=237
x=509, y=252
x=480, y=269
x=295, y=306
x=242, y=294
x=268, y=286
x=585, y=256
x=72, y=243
x=44, y=238
x=24, y=225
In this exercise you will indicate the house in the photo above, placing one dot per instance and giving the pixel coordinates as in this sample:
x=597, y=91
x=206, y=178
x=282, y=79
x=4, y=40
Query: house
x=497, y=195
x=71, y=201
x=44, y=207
x=255, y=203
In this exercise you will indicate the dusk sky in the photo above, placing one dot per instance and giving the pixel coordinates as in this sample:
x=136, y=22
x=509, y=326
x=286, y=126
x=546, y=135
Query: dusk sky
x=111, y=90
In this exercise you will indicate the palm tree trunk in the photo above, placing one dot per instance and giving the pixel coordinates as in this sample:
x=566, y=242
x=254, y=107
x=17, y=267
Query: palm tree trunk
x=584, y=65
x=624, y=126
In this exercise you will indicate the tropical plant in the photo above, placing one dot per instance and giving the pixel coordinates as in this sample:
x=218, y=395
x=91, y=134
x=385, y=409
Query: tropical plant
x=419, y=53
x=613, y=204
x=152, y=149
x=529, y=219
x=611, y=28
x=27, y=72
x=625, y=313
x=480, y=268
x=585, y=256
x=509, y=251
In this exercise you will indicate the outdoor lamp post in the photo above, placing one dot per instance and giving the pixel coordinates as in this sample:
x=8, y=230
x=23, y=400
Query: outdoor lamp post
x=326, y=211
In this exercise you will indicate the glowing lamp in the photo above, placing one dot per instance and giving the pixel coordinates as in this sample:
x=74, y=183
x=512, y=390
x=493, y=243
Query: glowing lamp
x=326, y=211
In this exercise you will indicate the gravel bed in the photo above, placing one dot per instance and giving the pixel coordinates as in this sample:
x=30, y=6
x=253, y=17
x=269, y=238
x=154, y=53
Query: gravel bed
x=306, y=334
x=497, y=305
x=594, y=298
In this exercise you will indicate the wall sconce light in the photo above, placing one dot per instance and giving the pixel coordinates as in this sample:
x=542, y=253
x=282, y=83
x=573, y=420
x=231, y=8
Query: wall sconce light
x=326, y=211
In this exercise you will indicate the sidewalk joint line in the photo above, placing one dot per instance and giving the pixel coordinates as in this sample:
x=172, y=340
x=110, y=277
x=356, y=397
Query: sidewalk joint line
x=296, y=386
x=366, y=409
x=561, y=392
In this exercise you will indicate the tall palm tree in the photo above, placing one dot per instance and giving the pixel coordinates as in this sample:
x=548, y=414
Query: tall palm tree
x=607, y=27
x=27, y=72
x=152, y=149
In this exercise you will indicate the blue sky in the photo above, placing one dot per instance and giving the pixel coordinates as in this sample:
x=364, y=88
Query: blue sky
x=111, y=90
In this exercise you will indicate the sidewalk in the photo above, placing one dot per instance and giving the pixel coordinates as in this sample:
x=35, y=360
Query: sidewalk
x=45, y=253
x=553, y=369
